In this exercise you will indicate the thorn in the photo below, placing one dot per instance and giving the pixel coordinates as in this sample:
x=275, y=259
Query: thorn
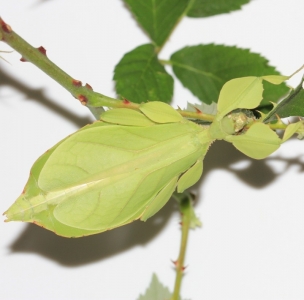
x=178, y=107
x=88, y=87
x=83, y=99
x=184, y=268
x=279, y=119
x=23, y=192
x=76, y=82
x=42, y=50
x=125, y=101
x=175, y=262
x=23, y=59
x=5, y=27
x=180, y=223
x=197, y=110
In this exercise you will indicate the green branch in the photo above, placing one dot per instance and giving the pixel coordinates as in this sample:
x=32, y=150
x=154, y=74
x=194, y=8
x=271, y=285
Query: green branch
x=38, y=57
x=185, y=208
x=83, y=93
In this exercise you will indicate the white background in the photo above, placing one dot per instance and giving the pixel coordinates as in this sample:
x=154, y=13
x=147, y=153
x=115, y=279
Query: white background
x=251, y=245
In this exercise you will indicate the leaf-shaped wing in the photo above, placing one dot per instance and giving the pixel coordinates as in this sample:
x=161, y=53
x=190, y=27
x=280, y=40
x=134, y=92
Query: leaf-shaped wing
x=258, y=142
x=105, y=176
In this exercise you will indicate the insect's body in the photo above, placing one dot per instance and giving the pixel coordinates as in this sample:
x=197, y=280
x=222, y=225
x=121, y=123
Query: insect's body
x=127, y=166
x=106, y=175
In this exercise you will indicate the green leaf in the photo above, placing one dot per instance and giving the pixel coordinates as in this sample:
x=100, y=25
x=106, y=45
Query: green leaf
x=204, y=69
x=140, y=77
x=158, y=17
x=156, y=291
x=206, y=8
x=292, y=105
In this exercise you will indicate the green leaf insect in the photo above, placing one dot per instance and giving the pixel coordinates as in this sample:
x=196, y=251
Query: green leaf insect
x=107, y=174
x=127, y=165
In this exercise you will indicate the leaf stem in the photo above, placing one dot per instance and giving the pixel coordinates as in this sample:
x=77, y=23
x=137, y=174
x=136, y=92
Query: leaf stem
x=185, y=208
x=166, y=62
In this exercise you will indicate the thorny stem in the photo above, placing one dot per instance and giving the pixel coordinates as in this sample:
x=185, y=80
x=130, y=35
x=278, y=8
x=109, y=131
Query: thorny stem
x=84, y=94
x=185, y=208
x=38, y=57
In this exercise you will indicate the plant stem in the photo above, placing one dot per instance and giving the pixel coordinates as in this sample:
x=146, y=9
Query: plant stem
x=84, y=94
x=185, y=207
x=38, y=57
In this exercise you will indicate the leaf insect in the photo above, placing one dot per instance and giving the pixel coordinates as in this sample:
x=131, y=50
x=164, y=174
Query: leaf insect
x=126, y=166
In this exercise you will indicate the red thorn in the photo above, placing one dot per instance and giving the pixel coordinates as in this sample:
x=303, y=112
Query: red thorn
x=180, y=223
x=184, y=268
x=42, y=50
x=23, y=59
x=83, y=99
x=76, y=82
x=23, y=192
x=197, y=110
x=88, y=87
x=5, y=26
x=175, y=262
x=126, y=101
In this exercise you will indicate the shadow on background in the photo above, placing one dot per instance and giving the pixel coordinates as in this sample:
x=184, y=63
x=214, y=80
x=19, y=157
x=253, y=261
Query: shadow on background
x=79, y=251
x=75, y=252
x=39, y=97
x=257, y=174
